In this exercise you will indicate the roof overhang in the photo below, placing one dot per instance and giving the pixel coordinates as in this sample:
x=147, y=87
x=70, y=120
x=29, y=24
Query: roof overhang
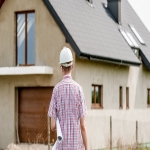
x=1, y=3
x=110, y=60
x=26, y=70
x=62, y=27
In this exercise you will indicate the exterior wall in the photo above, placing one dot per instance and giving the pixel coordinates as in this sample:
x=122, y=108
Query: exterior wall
x=49, y=41
x=8, y=101
x=112, y=76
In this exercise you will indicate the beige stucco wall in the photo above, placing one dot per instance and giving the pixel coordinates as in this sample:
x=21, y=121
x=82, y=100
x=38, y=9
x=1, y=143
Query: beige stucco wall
x=49, y=40
x=111, y=76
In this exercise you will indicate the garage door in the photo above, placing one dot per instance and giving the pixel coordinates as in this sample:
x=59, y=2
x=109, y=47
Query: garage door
x=32, y=114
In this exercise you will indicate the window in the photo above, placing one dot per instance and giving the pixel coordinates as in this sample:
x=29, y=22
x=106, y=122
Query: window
x=25, y=34
x=97, y=96
x=127, y=97
x=148, y=97
x=137, y=34
x=120, y=97
x=126, y=38
x=130, y=40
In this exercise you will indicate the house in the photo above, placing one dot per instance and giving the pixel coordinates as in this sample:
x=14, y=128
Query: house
x=111, y=51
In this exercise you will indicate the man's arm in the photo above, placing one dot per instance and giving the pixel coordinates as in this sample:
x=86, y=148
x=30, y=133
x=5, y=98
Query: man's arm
x=84, y=132
x=53, y=124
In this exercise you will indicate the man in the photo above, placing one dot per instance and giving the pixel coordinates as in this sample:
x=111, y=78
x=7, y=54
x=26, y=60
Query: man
x=68, y=105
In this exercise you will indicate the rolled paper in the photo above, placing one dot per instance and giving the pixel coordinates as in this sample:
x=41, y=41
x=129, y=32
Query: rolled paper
x=59, y=134
x=54, y=146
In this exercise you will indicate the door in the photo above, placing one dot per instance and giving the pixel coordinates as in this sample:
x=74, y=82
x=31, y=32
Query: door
x=33, y=103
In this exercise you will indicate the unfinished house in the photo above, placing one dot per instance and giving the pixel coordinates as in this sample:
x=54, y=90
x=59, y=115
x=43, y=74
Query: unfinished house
x=111, y=50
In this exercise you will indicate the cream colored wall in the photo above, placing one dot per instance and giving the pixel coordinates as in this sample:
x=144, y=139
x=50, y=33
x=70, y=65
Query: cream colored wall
x=8, y=102
x=111, y=76
x=49, y=40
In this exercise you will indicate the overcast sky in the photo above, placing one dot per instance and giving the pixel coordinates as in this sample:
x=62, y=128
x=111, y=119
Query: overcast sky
x=142, y=8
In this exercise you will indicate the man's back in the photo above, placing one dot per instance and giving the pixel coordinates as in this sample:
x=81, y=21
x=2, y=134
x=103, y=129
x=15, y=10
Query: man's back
x=68, y=105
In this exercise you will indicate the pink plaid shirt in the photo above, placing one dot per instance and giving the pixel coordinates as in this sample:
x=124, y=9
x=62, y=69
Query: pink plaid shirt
x=68, y=104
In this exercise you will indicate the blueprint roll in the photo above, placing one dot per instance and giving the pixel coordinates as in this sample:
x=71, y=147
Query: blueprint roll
x=59, y=133
x=54, y=146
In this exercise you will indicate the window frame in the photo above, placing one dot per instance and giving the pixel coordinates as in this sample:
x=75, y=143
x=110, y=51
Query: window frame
x=127, y=98
x=120, y=97
x=148, y=97
x=137, y=34
x=25, y=47
x=100, y=104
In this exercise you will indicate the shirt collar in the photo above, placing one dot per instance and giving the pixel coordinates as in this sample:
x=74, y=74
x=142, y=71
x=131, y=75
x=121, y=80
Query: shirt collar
x=67, y=76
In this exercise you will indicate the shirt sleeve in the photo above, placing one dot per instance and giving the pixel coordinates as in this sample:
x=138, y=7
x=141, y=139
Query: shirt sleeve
x=82, y=104
x=52, y=112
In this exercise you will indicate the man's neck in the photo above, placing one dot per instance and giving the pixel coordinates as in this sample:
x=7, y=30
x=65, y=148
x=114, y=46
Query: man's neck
x=67, y=74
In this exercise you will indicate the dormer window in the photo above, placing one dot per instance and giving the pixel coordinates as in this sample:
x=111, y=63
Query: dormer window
x=137, y=34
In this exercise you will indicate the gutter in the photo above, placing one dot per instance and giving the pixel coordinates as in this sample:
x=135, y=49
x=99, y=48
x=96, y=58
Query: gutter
x=74, y=45
x=109, y=60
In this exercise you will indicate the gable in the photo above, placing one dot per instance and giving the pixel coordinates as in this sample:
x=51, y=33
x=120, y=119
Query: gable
x=49, y=39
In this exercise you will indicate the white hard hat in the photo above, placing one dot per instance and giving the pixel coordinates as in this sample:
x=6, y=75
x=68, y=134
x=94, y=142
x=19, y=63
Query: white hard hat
x=65, y=57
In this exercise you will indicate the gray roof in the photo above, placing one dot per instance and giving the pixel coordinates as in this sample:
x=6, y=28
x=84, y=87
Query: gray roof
x=129, y=16
x=93, y=32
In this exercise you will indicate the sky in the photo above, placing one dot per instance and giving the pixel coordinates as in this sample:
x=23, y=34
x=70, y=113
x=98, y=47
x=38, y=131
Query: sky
x=142, y=8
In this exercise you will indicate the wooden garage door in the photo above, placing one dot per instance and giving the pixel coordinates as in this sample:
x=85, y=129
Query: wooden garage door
x=32, y=112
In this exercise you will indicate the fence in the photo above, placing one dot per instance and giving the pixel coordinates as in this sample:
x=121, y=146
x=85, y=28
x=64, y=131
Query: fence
x=111, y=133
x=103, y=132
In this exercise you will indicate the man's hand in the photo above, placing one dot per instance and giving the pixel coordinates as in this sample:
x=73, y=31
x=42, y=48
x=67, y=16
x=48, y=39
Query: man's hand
x=53, y=124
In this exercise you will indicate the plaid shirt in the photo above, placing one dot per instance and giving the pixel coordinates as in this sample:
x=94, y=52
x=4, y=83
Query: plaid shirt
x=68, y=104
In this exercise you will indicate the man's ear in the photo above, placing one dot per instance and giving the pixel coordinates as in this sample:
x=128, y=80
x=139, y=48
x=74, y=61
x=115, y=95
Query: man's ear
x=62, y=69
x=72, y=67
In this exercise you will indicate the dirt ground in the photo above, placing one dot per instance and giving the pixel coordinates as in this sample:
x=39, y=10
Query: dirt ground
x=27, y=147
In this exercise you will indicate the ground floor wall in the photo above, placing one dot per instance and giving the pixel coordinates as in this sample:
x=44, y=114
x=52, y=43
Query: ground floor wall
x=111, y=77
x=124, y=131
x=8, y=102
x=98, y=120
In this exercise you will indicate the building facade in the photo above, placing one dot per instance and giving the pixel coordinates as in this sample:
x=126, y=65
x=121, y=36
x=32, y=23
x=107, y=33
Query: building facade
x=31, y=40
